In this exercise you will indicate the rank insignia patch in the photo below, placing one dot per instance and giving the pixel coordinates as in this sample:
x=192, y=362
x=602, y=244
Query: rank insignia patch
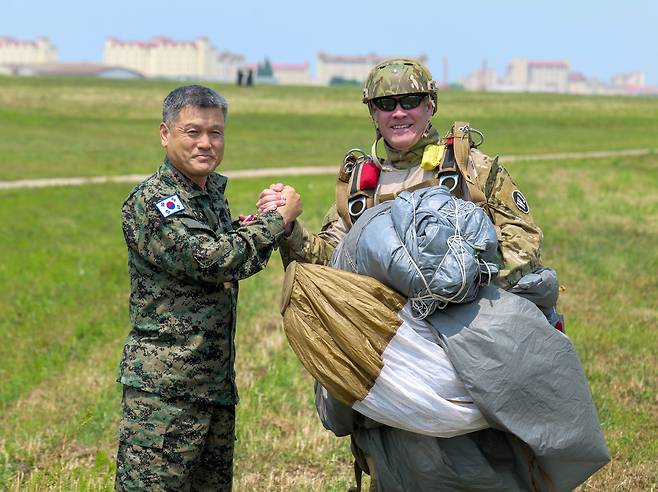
x=170, y=205
x=520, y=201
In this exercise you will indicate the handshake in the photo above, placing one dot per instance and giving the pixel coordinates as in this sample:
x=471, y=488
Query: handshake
x=282, y=198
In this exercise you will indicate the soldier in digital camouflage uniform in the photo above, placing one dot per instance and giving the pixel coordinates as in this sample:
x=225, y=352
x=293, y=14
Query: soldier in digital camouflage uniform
x=402, y=98
x=185, y=257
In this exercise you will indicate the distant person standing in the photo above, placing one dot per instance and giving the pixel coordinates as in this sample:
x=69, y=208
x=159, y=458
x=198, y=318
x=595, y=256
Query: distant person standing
x=185, y=257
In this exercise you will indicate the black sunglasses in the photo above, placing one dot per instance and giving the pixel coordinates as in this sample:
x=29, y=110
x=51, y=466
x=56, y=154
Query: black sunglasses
x=408, y=101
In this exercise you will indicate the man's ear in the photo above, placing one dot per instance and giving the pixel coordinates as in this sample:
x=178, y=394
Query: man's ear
x=164, y=134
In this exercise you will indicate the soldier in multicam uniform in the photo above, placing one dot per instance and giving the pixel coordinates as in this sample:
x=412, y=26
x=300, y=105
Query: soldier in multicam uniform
x=402, y=97
x=185, y=257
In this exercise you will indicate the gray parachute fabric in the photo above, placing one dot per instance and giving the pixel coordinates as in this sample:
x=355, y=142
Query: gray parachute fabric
x=429, y=246
x=523, y=375
x=526, y=379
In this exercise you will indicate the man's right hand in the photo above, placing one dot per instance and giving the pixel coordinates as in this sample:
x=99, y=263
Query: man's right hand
x=292, y=207
x=271, y=198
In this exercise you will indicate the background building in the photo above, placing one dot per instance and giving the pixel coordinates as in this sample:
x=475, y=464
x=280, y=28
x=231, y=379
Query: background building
x=291, y=73
x=537, y=75
x=13, y=51
x=338, y=68
x=162, y=57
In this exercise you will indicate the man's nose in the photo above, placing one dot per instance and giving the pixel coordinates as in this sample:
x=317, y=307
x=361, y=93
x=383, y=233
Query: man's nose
x=204, y=140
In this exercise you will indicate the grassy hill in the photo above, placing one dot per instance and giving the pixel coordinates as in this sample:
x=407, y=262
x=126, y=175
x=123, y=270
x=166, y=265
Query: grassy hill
x=63, y=315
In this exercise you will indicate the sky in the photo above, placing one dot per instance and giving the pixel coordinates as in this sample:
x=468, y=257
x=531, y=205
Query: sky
x=598, y=38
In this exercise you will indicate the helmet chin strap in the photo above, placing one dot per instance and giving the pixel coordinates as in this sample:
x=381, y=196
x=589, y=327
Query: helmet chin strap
x=373, y=150
x=378, y=134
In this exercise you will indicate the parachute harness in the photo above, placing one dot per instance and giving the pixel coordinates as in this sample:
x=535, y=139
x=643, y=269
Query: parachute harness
x=426, y=302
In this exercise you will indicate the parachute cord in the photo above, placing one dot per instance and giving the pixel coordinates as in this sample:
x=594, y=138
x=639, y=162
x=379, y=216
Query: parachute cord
x=424, y=303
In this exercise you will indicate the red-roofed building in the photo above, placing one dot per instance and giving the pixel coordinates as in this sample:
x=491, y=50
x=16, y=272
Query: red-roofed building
x=163, y=57
x=14, y=51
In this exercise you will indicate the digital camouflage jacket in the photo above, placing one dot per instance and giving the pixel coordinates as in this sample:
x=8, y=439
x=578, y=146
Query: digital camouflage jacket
x=185, y=257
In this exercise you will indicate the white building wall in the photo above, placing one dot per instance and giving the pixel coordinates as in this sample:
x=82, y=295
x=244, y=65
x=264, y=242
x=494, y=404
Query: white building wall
x=38, y=51
x=347, y=67
x=517, y=72
x=636, y=79
x=291, y=74
x=167, y=58
x=481, y=80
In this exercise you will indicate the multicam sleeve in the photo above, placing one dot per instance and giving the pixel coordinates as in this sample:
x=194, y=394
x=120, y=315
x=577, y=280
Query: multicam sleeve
x=520, y=238
x=185, y=247
x=306, y=247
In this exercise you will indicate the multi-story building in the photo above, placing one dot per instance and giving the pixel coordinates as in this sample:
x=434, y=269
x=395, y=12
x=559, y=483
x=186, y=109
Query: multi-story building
x=163, y=57
x=484, y=79
x=332, y=68
x=631, y=79
x=291, y=73
x=13, y=51
x=537, y=75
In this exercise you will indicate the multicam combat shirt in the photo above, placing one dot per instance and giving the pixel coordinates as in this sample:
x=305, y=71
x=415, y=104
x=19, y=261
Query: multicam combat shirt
x=185, y=257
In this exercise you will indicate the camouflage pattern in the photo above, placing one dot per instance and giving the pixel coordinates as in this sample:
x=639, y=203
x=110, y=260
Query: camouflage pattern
x=519, y=237
x=174, y=444
x=398, y=76
x=184, y=272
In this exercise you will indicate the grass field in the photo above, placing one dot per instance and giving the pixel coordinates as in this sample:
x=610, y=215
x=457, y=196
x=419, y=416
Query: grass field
x=63, y=315
x=69, y=127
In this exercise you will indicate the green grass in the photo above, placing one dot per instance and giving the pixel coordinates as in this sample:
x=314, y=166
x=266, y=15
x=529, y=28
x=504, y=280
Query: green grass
x=55, y=127
x=64, y=314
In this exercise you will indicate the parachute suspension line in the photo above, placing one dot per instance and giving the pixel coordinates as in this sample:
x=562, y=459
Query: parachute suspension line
x=424, y=303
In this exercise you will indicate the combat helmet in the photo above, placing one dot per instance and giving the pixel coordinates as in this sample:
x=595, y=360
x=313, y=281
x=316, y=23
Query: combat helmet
x=396, y=76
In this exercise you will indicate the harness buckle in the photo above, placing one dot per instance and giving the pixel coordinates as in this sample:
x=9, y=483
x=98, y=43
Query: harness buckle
x=356, y=206
x=449, y=180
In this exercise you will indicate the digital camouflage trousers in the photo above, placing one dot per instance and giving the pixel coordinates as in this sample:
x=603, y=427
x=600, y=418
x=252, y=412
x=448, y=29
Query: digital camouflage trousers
x=167, y=445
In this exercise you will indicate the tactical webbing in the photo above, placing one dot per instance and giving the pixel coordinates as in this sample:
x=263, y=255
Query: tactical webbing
x=341, y=193
x=454, y=164
x=424, y=184
x=348, y=191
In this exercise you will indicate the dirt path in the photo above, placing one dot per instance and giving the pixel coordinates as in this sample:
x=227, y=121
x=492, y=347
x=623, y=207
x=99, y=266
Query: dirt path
x=304, y=171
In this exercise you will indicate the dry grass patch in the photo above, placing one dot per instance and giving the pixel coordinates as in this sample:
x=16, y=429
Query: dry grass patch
x=621, y=476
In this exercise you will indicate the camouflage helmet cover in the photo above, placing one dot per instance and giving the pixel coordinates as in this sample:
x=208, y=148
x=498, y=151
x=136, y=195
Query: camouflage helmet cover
x=398, y=76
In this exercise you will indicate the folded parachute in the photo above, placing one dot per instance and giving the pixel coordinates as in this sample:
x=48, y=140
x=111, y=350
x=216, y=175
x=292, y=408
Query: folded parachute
x=356, y=337
x=506, y=368
x=428, y=245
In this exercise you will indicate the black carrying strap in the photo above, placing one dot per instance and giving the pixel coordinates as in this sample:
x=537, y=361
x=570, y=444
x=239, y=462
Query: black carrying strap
x=360, y=465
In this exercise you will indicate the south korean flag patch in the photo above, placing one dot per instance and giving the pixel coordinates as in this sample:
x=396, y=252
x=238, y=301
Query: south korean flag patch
x=520, y=201
x=170, y=205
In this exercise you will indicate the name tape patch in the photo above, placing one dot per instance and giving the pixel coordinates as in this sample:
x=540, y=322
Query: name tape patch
x=520, y=201
x=170, y=205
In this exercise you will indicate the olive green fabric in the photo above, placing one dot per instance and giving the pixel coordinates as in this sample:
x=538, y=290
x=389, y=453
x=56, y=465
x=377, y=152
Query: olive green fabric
x=338, y=324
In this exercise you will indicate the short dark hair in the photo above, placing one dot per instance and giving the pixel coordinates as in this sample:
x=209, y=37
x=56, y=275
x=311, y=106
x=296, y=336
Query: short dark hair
x=196, y=96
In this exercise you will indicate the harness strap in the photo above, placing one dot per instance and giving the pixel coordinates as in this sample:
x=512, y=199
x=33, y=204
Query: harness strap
x=423, y=184
x=341, y=194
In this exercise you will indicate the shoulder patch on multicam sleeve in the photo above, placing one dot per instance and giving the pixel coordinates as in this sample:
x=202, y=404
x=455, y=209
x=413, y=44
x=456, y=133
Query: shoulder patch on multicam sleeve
x=170, y=205
x=520, y=201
